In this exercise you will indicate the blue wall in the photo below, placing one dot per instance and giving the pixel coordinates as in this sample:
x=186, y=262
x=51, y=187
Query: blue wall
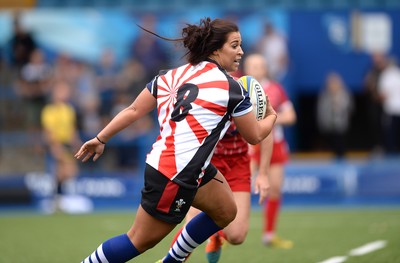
x=308, y=183
x=314, y=54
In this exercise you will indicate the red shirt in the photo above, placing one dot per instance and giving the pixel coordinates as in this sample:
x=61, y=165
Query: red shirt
x=232, y=143
x=278, y=99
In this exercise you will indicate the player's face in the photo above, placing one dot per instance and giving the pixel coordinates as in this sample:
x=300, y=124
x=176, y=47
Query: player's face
x=255, y=65
x=231, y=53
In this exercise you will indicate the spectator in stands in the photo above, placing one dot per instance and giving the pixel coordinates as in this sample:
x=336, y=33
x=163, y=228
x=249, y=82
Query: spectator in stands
x=273, y=46
x=131, y=77
x=373, y=100
x=33, y=88
x=6, y=76
x=87, y=102
x=5, y=84
x=65, y=68
x=84, y=95
x=334, y=110
x=22, y=44
x=149, y=51
x=389, y=92
x=2, y=102
x=132, y=143
x=60, y=136
x=106, y=74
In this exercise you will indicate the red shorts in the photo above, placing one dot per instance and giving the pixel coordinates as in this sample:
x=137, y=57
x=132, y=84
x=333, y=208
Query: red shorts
x=236, y=170
x=280, y=153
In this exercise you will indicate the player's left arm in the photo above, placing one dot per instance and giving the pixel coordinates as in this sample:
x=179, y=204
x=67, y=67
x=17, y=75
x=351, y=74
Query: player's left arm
x=261, y=184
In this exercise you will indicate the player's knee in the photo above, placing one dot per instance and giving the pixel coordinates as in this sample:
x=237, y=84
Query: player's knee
x=274, y=193
x=226, y=215
x=237, y=238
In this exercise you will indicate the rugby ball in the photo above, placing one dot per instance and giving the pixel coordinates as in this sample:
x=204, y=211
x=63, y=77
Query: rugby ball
x=256, y=94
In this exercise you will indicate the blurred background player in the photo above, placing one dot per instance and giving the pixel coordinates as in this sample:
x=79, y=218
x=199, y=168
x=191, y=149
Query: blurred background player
x=389, y=93
x=274, y=47
x=379, y=62
x=231, y=158
x=60, y=136
x=256, y=66
x=334, y=110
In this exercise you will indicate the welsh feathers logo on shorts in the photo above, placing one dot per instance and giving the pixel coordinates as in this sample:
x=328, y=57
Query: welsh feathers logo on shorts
x=179, y=204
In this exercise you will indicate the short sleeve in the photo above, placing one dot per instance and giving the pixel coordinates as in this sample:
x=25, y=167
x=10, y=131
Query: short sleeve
x=239, y=99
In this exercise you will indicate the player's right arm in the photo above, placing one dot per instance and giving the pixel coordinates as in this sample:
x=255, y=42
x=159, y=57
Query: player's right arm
x=142, y=105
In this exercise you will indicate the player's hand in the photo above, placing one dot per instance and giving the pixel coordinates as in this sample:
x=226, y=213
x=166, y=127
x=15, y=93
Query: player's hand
x=90, y=148
x=270, y=110
x=261, y=187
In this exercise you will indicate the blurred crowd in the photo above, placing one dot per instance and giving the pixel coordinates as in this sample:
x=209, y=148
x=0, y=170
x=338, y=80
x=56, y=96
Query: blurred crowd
x=381, y=92
x=97, y=91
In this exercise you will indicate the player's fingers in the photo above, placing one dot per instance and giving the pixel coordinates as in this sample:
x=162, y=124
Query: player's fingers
x=262, y=199
x=96, y=156
x=87, y=156
x=78, y=154
x=263, y=195
x=81, y=152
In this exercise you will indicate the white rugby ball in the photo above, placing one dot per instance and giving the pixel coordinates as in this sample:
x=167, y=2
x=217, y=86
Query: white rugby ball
x=256, y=94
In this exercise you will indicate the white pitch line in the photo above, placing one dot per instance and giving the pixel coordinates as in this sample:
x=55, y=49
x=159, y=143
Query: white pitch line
x=368, y=248
x=359, y=251
x=338, y=259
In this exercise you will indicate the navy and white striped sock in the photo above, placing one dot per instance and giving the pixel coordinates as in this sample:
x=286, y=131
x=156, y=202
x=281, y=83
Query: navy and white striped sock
x=118, y=249
x=198, y=230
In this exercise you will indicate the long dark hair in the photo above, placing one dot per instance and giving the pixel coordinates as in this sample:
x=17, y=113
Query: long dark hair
x=203, y=39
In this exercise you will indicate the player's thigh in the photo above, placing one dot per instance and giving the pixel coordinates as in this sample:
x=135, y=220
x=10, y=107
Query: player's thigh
x=216, y=199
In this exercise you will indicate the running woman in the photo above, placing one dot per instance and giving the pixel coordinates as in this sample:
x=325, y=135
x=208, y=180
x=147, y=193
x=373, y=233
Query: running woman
x=195, y=103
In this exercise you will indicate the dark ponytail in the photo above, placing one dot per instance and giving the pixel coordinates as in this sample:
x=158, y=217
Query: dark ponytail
x=203, y=39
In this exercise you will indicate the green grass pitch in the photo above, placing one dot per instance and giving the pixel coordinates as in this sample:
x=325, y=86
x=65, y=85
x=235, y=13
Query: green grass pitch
x=318, y=235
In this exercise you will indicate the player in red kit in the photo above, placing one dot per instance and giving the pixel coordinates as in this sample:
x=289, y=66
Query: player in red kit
x=256, y=66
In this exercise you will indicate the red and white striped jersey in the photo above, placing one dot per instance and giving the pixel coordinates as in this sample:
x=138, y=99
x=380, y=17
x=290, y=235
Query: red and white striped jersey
x=194, y=108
